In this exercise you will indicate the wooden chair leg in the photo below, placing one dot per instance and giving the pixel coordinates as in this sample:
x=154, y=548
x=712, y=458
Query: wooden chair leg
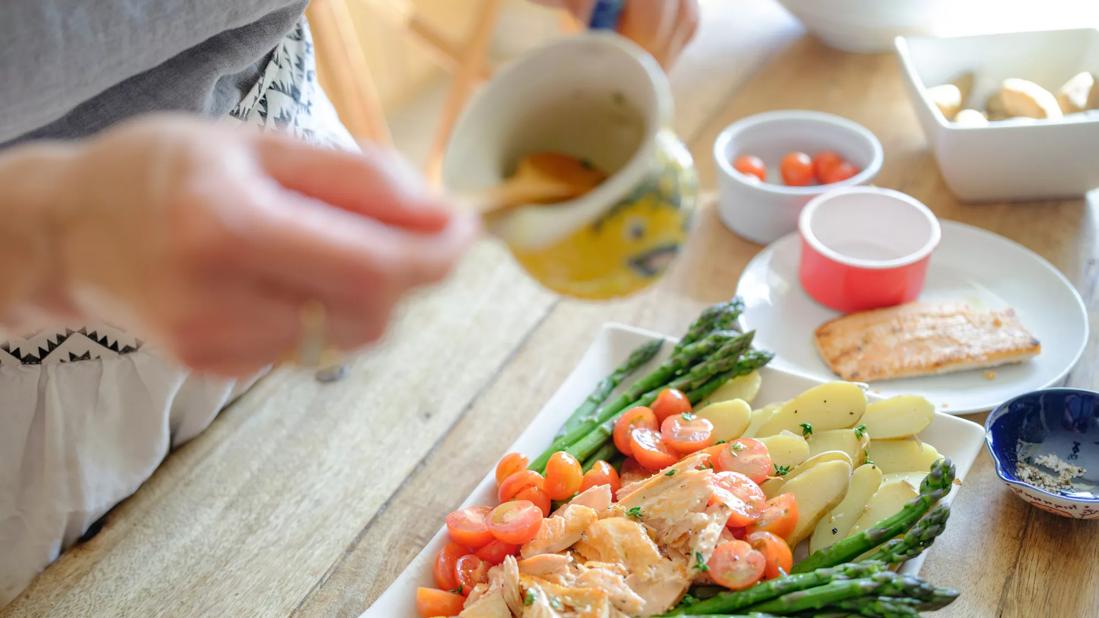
x=344, y=73
x=466, y=78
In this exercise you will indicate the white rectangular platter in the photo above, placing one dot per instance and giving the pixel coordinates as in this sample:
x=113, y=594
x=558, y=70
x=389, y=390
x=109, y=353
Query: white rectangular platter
x=954, y=437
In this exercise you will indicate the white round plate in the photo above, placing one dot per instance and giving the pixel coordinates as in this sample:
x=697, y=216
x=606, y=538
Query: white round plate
x=970, y=265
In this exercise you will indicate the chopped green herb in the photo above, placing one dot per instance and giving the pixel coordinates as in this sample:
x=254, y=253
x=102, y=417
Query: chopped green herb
x=555, y=603
x=866, y=455
x=782, y=470
x=670, y=472
x=737, y=447
x=457, y=590
x=720, y=442
x=688, y=416
x=700, y=564
x=634, y=512
x=806, y=429
x=530, y=598
x=860, y=430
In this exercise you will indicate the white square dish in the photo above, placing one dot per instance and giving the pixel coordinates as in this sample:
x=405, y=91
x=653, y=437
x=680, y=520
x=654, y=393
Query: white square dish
x=956, y=438
x=1017, y=159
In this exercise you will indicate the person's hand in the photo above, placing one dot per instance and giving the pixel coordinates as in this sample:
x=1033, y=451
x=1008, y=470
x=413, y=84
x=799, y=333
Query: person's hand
x=210, y=239
x=662, y=27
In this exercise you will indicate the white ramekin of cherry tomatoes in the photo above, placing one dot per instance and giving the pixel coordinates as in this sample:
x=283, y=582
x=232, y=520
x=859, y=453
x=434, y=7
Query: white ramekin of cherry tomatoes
x=771, y=164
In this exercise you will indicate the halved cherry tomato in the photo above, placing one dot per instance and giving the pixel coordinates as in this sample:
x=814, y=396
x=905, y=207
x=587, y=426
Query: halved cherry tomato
x=601, y=473
x=823, y=162
x=843, y=171
x=431, y=602
x=469, y=571
x=510, y=464
x=515, y=522
x=563, y=476
x=687, y=433
x=538, y=497
x=631, y=472
x=742, y=495
x=649, y=449
x=467, y=526
x=634, y=417
x=495, y=552
x=775, y=551
x=517, y=482
x=779, y=516
x=444, y=565
x=747, y=456
x=750, y=166
x=797, y=169
x=669, y=402
x=735, y=565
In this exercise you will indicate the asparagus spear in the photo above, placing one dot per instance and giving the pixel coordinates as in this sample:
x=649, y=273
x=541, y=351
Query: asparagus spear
x=636, y=360
x=877, y=607
x=658, y=378
x=934, y=486
x=606, y=453
x=919, y=538
x=722, y=316
x=885, y=583
x=719, y=363
x=749, y=362
x=734, y=600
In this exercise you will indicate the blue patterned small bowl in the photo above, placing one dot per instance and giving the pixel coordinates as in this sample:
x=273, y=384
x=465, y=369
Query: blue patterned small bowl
x=1060, y=421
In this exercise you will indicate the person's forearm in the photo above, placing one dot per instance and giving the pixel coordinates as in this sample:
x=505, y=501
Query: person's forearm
x=32, y=181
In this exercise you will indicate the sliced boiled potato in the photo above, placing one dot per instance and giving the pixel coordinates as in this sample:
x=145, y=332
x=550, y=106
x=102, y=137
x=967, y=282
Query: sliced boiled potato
x=741, y=387
x=865, y=481
x=850, y=441
x=889, y=499
x=834, y=405
x=730, y=418
x=946, y=97
x=898, y=417
x=818, y=490
x=902, y=455
x=912, y=478
x=786, y=449
x=1025, y=98
x=773, y=486
x=759, y=417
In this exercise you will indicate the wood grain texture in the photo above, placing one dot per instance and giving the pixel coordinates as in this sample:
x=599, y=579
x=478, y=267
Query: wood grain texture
x=309, y=499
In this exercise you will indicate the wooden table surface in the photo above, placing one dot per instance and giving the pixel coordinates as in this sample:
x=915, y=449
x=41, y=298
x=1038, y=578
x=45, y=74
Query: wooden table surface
x=308, y=499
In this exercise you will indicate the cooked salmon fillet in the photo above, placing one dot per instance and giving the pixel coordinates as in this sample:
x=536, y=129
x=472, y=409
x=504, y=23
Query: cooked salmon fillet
x=921, y=339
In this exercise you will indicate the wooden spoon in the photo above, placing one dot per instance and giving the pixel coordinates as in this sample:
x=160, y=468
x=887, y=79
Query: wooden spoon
x=540, y=178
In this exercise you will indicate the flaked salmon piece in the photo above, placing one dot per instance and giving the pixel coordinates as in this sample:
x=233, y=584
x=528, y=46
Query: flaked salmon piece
x=611, y=578
x=566, y=601
x=661, y=582
x=504, y=578
x=621, y=541
x=539, y=605
x=691, y=462
x=666, y=502
x=489, y=605
x=560, y=531
x=921, y=339
x=556, y=568
x=478, y=591
x=598, y=498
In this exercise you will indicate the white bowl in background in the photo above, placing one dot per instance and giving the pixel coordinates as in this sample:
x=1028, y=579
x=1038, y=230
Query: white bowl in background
x=766, y=211
x=867, y=26
x=1019, y=159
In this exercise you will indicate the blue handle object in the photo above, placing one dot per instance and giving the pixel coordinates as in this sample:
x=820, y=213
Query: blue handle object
x=604, y=16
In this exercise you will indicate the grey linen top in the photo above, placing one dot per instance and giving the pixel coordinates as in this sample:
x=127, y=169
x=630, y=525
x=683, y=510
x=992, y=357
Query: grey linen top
x=69, y=68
